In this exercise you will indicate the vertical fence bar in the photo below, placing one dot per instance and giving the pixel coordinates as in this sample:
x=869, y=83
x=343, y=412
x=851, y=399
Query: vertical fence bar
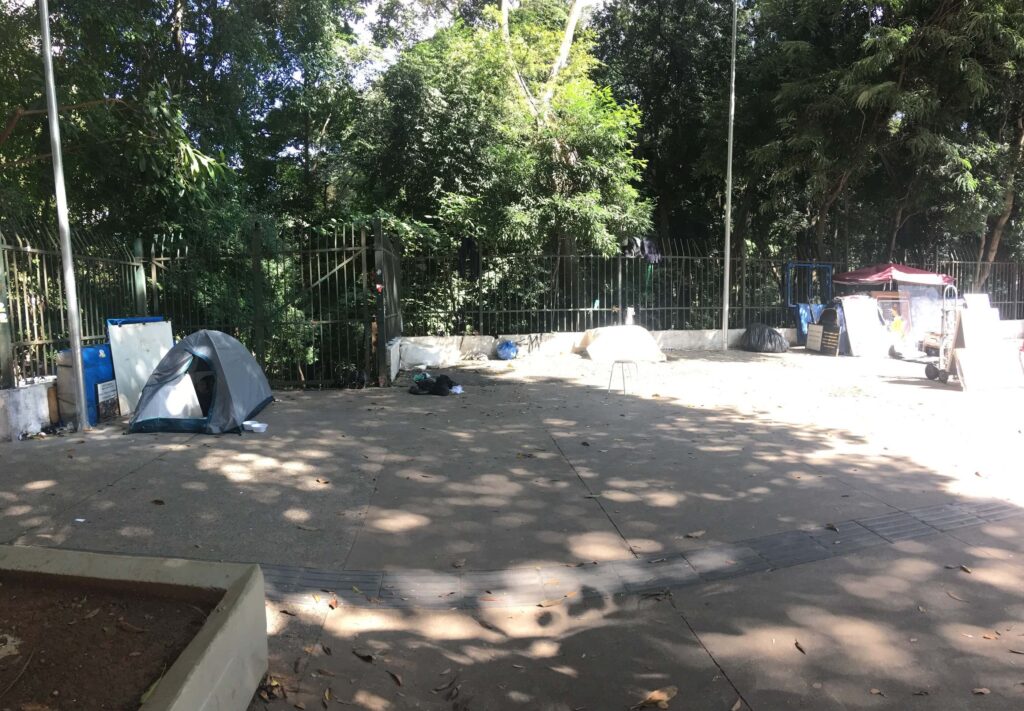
x=7, y=379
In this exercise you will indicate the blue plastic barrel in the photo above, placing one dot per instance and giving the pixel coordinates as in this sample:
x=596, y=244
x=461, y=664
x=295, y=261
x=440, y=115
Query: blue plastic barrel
x=97, y=367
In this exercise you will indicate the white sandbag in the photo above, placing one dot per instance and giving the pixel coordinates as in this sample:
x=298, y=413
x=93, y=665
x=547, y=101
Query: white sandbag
x=621, y=343
x=429, y=352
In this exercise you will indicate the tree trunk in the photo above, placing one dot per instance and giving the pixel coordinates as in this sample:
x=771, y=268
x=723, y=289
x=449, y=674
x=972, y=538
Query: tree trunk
x=575, y=12
x=897, y=223
x=178, y=25
x=524, y=89
x=985, y=266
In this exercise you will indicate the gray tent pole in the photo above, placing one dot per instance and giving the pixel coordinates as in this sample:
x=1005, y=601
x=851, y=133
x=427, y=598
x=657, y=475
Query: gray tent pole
x=67, y=259
x=726, y=287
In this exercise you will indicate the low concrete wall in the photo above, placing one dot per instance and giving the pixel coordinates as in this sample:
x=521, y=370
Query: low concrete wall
x=446, y=351
x=223, y=664
x=24, y=410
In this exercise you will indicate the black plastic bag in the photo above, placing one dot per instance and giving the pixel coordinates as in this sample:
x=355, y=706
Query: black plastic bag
x=763, y=339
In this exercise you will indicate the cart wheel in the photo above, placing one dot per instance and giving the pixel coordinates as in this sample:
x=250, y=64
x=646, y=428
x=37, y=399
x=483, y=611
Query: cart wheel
x=943, y=376
x=931, y=372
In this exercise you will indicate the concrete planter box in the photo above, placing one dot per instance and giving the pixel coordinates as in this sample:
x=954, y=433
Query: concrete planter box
x=221, y=667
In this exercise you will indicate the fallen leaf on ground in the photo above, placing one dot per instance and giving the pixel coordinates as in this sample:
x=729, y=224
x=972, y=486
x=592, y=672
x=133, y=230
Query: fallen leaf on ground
x=988, y=636
x=327, y=696
x=459, y=563
x=696, y=534
x=877, y=692
x=659, y=698
x=965, y=569
x=800, y=648
x=488, y=626
x=327, y=650
x=299, y=705
x=129, y=627
x=91, y=614
x=920, y=608
x=325, y=672
x=585, y=444
x=922, y=692
x=832, y=527
x=737, y=706
x=365, y=654
x=955, y=597
x=398, y=679
x=157, y=502
x=981, y=691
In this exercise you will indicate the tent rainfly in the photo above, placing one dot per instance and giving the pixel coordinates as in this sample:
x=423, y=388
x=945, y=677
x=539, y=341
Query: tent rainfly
x=208, y=382
x=885, y=273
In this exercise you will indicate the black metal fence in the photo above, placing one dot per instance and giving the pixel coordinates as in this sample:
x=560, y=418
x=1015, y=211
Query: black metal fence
x=318, y=307
x=542, y=293
x=307, y=306
x=33, y=325
x=1005, y=284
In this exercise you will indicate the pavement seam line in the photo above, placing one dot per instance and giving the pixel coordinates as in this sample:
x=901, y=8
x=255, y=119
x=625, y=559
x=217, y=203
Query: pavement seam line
x=711, y=656
x=596, y=498
x=365, y=513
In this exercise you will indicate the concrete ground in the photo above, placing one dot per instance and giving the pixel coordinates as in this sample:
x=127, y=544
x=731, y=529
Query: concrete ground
x=540, y=543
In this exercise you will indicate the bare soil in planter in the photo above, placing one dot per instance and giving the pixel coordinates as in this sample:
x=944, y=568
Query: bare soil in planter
x=75, y=643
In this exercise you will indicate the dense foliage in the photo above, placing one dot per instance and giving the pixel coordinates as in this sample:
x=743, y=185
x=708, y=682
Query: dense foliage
x=864, y=130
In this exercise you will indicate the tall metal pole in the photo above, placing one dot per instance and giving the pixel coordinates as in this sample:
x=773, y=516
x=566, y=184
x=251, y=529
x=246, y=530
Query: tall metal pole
x=728, y=185
x=67, y=259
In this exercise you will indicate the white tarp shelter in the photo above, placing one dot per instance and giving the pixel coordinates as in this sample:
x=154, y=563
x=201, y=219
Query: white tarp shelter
x=621, y=343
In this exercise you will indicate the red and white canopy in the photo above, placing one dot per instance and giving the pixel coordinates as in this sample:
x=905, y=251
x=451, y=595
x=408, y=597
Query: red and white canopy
x=884, y=273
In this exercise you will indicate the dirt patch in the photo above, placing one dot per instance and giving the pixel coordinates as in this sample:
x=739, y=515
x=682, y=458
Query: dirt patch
x=74, y=643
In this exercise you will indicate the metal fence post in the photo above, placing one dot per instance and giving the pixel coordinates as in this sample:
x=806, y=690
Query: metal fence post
x=380, y=343
x=139, y=277
x=479, y=292
x=6, y=337
x=259, y=312
x=622, y=307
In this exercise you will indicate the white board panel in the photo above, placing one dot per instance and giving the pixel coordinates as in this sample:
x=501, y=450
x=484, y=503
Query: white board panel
x=814, y=334
x=864, y=328
x=137, y=349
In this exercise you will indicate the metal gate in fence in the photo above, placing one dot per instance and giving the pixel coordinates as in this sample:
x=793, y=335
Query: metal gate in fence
x=33, y=325
x=307, y=306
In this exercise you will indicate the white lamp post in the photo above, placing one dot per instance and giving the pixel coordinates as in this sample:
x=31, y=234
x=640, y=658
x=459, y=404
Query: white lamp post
x=64, y=230
x=728, y=185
